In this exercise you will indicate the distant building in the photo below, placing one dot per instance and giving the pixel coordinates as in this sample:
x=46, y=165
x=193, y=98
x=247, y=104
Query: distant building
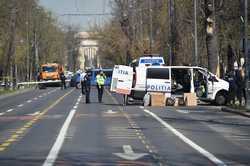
x=88, y=51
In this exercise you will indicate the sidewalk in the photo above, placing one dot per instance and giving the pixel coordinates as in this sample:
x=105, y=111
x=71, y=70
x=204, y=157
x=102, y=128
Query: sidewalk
x=241, y=112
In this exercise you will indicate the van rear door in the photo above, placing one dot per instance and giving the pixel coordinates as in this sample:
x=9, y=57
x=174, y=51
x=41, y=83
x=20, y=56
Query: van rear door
x=122, y=79
x=158, y=79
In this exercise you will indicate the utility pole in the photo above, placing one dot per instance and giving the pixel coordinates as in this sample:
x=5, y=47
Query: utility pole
x=195, y=34
x=151, y=27
x=246, y=53
x=170, y=13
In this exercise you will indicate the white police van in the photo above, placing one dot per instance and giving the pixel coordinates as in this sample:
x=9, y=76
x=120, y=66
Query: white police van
x=139, y=77
x=177, y=80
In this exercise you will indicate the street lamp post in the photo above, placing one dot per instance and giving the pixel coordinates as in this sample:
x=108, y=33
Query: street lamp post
x=246, y=54
x=170, y=10
x=151, y=27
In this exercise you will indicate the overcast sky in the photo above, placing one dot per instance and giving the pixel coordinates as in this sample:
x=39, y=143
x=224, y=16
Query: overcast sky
x=59, y=7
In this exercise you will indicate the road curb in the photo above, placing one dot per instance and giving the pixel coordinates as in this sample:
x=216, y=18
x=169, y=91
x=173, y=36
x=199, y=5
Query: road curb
x=235, y=111
x=215, y=108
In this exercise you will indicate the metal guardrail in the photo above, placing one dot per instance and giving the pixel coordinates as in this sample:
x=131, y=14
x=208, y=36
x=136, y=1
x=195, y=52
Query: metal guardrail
x=40, y=82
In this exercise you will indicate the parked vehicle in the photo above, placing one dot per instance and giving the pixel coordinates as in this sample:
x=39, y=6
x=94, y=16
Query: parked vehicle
x=107, y=72
x=75, y=80
x=50, y=72
x=176, y=80
x=139, y=67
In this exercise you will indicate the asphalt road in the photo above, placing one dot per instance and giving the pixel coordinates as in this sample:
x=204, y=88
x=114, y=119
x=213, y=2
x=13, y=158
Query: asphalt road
x=56, y=127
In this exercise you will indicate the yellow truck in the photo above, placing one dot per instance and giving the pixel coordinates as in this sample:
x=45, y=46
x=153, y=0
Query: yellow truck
x=50, y=72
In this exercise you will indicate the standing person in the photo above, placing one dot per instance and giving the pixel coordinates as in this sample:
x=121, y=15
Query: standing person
x=100, y=80
x=241, y=87
x=63, y=78
x=82, y=78
x=231, y=78
x=86, y=86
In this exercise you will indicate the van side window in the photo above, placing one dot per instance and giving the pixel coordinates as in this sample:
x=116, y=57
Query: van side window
x=108, y=73
x=158, y=73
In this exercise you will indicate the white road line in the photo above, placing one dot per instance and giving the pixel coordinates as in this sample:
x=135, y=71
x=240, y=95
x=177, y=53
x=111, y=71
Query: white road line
x=75, y=107
x=205, y=153
x=10, y=110
x=40, y=96
x=2, y=113
x=29, y=101
x=35, y=98
x=183, y=111
x=20, y=105
x=51, y=158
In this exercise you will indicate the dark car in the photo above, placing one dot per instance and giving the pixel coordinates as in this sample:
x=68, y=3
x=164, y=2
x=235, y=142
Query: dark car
x=75, y=80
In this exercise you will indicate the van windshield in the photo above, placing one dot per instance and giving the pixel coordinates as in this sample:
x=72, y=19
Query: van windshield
x=158, y=73
x=49, y=68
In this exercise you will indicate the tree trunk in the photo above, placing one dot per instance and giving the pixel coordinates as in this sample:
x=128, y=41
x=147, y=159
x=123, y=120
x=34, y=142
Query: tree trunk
x=10, y=50
x=211, y=38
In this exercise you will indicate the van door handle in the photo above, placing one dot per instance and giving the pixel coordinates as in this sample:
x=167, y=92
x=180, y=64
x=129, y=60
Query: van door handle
x=120, y=81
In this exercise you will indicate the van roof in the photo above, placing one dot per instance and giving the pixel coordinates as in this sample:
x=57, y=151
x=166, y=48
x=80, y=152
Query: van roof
x=105, y=69
x=176, y=67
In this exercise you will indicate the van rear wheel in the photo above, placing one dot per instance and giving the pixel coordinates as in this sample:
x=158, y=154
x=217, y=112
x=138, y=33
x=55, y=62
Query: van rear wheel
x=220, y=98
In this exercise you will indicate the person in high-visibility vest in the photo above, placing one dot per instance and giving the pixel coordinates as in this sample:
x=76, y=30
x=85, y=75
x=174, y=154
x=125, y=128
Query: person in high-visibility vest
x=100, y=80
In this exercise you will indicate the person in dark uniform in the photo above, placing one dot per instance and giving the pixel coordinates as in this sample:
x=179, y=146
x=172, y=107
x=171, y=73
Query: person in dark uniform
x=241, y=87
x=86, y=87
x=231, y=78
x=63, y=78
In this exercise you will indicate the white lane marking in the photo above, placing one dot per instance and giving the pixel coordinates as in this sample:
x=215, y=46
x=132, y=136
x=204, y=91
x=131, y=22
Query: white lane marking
x=205, y=153
x=40, y=96
x=10, y=110
x=59, y=141
x=75, y=107
x=34, y=114
x=29, y=101
x=35, y=98
x=110, y=112
x=129, y=154
x=20, y=105
x=141, y=107
x=2, y=113
x=183, y=111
